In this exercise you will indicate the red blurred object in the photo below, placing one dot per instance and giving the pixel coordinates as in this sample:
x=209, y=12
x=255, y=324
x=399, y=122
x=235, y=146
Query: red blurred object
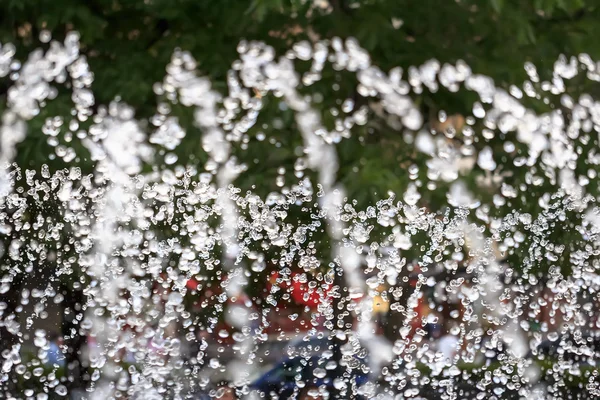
x=273, y=281
x=302, y=294
x=192, y=284
x=298, y=290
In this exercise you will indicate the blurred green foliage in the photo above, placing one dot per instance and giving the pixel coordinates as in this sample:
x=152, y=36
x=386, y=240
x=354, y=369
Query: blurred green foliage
x=129, y=42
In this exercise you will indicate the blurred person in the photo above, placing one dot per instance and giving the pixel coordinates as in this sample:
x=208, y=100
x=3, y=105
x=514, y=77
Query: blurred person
x=93, y=347
x=55, y=355
x=433, y=326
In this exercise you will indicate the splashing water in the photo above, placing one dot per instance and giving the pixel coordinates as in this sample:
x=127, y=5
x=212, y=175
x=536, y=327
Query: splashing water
x=149, y=257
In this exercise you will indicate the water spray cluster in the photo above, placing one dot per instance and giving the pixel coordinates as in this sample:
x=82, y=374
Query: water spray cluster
x=129, y=235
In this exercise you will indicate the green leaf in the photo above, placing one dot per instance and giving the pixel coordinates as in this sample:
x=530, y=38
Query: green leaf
x=497, y=5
